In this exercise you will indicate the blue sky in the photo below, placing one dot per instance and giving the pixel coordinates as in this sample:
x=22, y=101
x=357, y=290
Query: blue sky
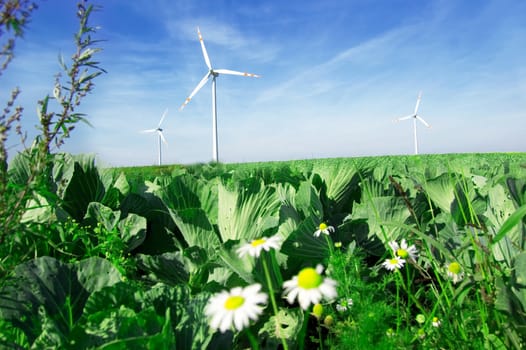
x=335, y=74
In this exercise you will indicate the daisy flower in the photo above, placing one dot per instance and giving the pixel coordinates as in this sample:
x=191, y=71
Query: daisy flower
x=235, y=307
x=455, y=272
x=344, y=304
x=309, y=287
x=395, y=263
x=403, y=250
x=436, y=322
x=255, y=247
x=323, y=228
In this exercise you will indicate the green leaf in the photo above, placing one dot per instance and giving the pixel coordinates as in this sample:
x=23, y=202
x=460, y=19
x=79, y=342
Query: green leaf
x=168, y=268
x=288, y=326
x=99, y=213
x=379, y=210
x=59, y=289
x=441, y=191
x=132, y=230
x=83, y=185
x=510, y=223
x=38, y=210
x=247, y=212
x=195, y=228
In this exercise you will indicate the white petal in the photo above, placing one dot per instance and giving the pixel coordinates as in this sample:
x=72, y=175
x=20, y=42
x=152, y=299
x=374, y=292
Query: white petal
x=292, y=294
x=240, y=320
x=226, y=322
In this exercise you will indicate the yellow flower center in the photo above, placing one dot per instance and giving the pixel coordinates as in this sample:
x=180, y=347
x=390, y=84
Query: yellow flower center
x=402, y=253
x=323, y=226
x=234, y=302
x=393, y=262
x=257, y=242
x=309, y=278
x=435, y=319
x=455, y=268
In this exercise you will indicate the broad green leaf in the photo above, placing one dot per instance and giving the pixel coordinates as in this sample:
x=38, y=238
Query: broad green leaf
x=247, y=213
x=168, y=268
x=303, y=248
x=121, y=183
x=340, y=185
x=379, y=210
x=38, y=210
x=441, y=191
x=60, y=290
x=510, y=223
x=519, y=282
x=132, y=231
x=195, y=228
x=86, y=185
x=98, y=213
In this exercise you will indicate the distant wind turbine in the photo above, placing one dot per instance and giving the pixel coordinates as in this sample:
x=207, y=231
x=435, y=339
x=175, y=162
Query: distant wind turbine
x=159, y=132
x=415, y=116
x=214, y=73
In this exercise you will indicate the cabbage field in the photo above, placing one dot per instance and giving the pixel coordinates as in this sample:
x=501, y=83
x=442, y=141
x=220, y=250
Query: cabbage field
x=395, y=252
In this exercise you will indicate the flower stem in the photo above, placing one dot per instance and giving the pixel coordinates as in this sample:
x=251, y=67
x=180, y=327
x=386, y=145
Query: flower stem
x=330, y=245
x=273, y=302
x=252, y=339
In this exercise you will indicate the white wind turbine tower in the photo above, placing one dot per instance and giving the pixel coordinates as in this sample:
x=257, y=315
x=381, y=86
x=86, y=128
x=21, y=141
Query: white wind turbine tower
x=214, y=73
x=159, y=132
x=415, y=116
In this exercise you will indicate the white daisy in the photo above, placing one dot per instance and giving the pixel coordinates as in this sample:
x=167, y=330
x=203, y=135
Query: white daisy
x=309, y=287
x=395, y=263
x=255, y=247
x=455, y=272
x=344, y=304
x=323, y=228
x=403, y=250
x=235, y=307
x=436, y=322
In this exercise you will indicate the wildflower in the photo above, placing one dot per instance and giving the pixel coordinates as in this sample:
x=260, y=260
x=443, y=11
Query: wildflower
x=328, y=321
x=309, y=286
x=403, y=250
x=455, y=272
x=390, y=332
x=421, y=333
x=323, y=228
x=436, y=322
x=317, y=310
x=344, y=304
x=420, y=318
x=395, y=263
x=235, y=307
x=255, y=247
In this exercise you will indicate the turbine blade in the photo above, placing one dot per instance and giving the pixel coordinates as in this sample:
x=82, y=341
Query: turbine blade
x=162, y=137
x=205, y=54
x=423, y=121
x=197, y=88
x=162, y=118
x=405, y=118
x=148, y=130
x=418, y=101
x=233, y=72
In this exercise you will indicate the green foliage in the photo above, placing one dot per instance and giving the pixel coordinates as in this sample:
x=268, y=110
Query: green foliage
x=129, y=258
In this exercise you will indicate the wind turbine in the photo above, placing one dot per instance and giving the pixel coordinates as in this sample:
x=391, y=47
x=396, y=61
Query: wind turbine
x=159, y=132
x=415, y=116
x=214, y=73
